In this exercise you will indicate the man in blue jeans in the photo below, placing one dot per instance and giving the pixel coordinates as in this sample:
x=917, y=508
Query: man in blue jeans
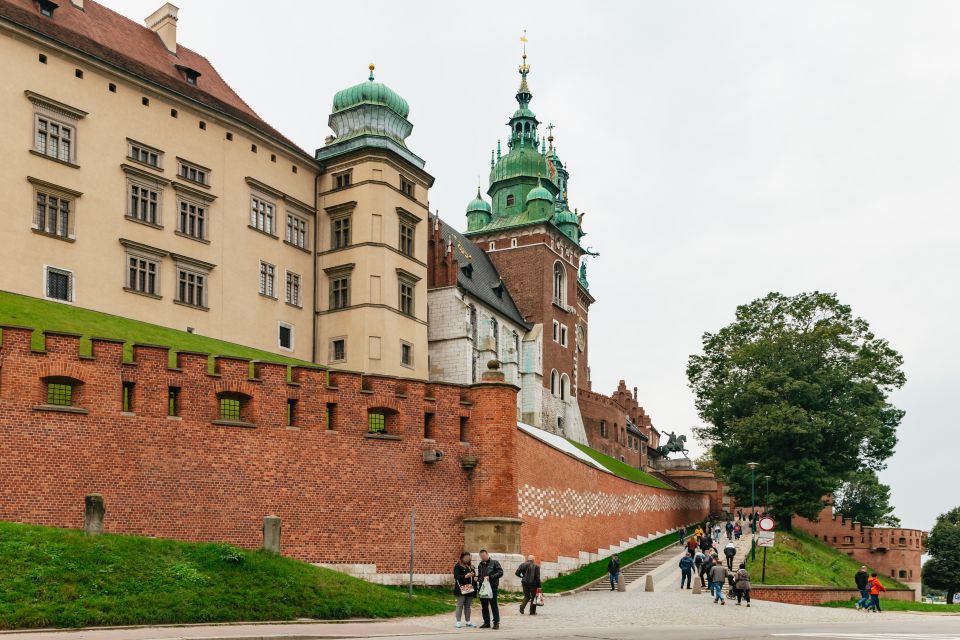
x=861, y=578
x=613, y=568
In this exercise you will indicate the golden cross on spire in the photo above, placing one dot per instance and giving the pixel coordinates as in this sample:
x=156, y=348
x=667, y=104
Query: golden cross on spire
x=524, y=67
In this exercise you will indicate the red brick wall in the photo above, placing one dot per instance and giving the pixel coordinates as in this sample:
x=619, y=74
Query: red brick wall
x=568, y=507
x=595, y=408
x=810, y=596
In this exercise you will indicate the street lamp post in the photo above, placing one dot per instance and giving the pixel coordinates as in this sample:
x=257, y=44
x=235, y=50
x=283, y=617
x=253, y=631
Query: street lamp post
x=753, y=506
x=766, y=500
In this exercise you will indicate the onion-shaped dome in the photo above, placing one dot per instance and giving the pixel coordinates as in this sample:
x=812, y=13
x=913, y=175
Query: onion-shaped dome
x=540, y=192
x=478, y=204
x=522, y=160
x=566, y=217
x=371, y=92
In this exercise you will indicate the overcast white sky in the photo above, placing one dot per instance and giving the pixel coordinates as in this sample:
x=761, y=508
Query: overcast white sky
x=721, y=150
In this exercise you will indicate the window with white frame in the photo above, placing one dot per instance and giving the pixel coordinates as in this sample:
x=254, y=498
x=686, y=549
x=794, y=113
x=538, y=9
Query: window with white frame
x=554, y=382
x=563, y=335
x=293, y=289
x=406, y=354
x=564, y=386
x=296, y=231
x=406, y=238
x=54, y=138
x=193, y=173
x=192, y=218
x=338, y=349
x=261, y=215
x=267, y=279
x=556, y=331
x=285, y=336
x=143, y=274
x=340, y=232
x=54, y=213
x=143, y=202
x=191, y=287
x=339, y=291
x=58, y=284
x=139, y=152
x=406, y=297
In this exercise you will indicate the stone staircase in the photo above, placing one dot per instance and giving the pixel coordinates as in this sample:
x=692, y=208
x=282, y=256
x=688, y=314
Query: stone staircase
x=639, y=568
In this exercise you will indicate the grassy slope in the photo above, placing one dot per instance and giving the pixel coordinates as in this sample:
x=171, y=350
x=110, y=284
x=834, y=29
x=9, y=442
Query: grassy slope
x=798, y=558
x=621, y=469
x=63, y=578
x=595, y=570
x=900, y=605
x=53, y=316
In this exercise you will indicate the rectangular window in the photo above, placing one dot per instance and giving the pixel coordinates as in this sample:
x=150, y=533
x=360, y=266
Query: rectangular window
x=406, y=239
x=261, y=215
x=173, y=401
x=230, y=409
x=342, y=180
x=406, y=354
x=127, y=398
x=291, y=412
x=53, y=214
x=563, y=335
x=267, y=277
x=59, y=284
x=285, y=336
x=143, y=154
x=193, y=173
x=54, y=139
x=376, y=422
x=192, y=220
x=331, y=415
x=464, y=429
x=144, y=203
x=406, y=187
x=338, y=350
x=340, y=232
x=142, y=274
x=60, y=394
x=191, y=289
x=428, y=425
x=339, y=292
x=406, y=298
x=556, y=331
x=296, y=231
x=293, y=289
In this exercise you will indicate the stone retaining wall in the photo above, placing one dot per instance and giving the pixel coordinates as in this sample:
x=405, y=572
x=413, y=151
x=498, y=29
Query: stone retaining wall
x=813, y=595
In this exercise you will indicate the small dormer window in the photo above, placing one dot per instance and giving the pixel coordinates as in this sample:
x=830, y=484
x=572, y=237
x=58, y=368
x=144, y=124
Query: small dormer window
x=467, y=270
x=190, y=75
x=510, y=201
x=47, y=8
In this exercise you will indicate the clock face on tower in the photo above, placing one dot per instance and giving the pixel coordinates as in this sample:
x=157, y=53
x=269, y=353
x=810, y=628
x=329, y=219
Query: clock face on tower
x=581, y=338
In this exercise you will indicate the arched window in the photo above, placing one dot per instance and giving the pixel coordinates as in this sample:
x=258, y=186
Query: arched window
x=554, y=382
x=559, y=284
x=510, y=200
x=564, y=386
x=519, y=127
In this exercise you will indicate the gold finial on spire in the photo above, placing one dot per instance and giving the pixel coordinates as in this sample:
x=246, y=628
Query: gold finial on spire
x=550, y=128
x=524, y=67
x=371, y=67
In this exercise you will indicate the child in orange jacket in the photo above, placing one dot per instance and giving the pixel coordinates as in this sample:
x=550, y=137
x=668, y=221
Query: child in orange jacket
x=874, y=586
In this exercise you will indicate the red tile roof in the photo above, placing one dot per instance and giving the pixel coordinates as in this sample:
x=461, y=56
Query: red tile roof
x=120, y=42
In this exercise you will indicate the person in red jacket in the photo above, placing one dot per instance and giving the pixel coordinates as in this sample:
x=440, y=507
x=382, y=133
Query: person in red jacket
x=873, y=584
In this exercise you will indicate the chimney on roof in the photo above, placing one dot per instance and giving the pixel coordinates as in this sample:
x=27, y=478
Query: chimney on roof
x=163, y=22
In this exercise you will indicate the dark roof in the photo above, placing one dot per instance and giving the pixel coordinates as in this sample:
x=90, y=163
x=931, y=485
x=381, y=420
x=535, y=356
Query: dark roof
x=478, y=277
x=100, y=33
x=634, y=430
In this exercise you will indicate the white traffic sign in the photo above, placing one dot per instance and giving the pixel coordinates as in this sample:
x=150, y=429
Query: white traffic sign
x=765, y=538
x=766, y=523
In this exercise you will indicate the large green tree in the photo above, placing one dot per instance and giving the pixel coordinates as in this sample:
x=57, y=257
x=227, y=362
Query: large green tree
x=942, y=570
x=864, y=499
x=799, y=385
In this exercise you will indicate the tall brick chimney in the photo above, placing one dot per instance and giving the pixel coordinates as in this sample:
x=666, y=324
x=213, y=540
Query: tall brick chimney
x=442, y=264
x=163, y=22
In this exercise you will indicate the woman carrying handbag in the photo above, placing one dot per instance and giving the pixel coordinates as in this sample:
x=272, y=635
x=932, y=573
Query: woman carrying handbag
x=464, y=587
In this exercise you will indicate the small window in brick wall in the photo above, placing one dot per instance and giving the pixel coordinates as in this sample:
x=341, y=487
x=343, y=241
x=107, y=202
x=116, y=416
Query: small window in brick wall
x=464, y=429
x=376, y=422
x=428, y=426
x=60, y=393
x=173, y=401
x=331, y=414
x=291, y=412
x=233, y=407
x=127, y=398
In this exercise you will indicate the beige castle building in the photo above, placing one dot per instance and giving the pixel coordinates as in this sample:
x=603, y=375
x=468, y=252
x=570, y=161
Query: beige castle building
x=137, y=182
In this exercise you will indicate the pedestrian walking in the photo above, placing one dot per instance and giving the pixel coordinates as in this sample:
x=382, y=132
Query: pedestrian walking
x=716, y=534
x=464, y=587
x=705, y=567
x=683, y=535
x=489, y=572
x=875, y=588
x=613, y=568
x=742, y=584
x=692, y=545
x=706, y=543
x=698, y=533
x=529, y=574
x=686, y=570
x=737, y=531
x=718, y=575
x=729, y=552
x=861, y=578
x=729, y=529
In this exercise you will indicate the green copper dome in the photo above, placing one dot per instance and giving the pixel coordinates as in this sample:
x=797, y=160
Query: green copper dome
x=478, y=204
x=525, y=161
x=371, y=92
x=566, y=217
x=540, y=192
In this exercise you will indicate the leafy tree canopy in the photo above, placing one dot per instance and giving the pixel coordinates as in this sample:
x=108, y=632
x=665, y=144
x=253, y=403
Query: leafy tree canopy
x=799, y=385
x=866, y=500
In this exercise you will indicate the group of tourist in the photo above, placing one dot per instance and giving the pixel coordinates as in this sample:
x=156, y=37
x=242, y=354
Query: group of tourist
x=483, y=581
x=703, y=559
x=870, y=588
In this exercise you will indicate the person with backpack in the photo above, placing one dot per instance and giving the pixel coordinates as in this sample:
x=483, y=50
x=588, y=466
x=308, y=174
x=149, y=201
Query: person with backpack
x=529, y=574
x=705, y=567
x=873, y=583
x=686, y=570
x=464, y=587
x=729, y=528
x=737, y=531
x=489, y=571
x=613, y=568
x=742, y=584
x=861, y=578
x=729, y=552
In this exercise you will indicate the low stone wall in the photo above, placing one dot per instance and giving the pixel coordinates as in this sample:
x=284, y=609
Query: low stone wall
x=811, y=595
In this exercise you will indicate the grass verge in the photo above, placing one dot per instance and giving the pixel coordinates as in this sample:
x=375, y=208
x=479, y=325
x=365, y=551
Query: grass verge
x=44, y=315
x=621, y=469
x=900, y=605
x=64, y=578
x=596, y=570
x=798, y=558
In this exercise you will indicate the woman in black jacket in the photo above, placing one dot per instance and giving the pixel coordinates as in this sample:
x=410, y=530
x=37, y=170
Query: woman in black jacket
x=464, y=587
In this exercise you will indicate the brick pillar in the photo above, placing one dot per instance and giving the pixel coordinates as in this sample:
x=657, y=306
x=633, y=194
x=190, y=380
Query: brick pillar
x=494, y=522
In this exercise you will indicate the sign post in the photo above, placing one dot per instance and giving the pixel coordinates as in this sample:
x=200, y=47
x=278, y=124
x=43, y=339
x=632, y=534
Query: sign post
x=765, y=539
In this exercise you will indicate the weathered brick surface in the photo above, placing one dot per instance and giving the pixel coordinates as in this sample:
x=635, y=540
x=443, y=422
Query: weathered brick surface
x=810, y=596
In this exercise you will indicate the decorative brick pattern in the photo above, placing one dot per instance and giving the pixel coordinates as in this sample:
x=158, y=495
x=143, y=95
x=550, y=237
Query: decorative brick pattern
x=550, y=502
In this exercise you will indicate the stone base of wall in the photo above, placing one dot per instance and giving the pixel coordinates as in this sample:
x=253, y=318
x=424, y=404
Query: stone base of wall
x=811, y=595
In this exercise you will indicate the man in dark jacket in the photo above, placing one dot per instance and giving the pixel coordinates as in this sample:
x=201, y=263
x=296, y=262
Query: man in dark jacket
x=529, y=574
x=705, y=567
x=491, y=571
x=861, y=577
x=686, y=570
x=729, y=552
x=613, y=568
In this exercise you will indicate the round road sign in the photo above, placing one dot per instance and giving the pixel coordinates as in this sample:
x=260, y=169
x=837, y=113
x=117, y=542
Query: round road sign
x=766, y=523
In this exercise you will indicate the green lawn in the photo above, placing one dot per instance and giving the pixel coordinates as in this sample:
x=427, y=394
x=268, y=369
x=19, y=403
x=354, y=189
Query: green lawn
x=798, y=558
x=64, y=578
x=595, y=570
x=900, y=605
x=43, y=315
x=621, y=469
